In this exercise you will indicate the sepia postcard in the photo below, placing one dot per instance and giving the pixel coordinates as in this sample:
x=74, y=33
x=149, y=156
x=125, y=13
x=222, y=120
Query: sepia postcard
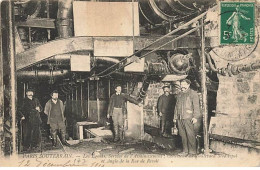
x=129, y=83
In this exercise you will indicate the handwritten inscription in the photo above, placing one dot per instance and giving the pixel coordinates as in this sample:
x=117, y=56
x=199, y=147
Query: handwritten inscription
x=70, y=160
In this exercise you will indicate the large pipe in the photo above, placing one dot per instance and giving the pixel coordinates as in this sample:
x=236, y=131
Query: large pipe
x=157, y=11
x=42, y=74
x=66, y=58
x=64, y=22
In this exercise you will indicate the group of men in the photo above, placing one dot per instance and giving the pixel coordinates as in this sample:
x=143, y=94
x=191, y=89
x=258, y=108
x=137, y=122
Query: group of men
x=31, y=119
x=182, y=109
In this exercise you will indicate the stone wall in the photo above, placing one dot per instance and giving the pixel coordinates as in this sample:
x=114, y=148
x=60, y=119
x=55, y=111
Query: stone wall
x=238, y=101
x=150, y=104
x=238, y=107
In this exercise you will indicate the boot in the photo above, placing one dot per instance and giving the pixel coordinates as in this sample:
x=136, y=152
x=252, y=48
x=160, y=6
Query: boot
x=116, y=139
x=54, y=139
x=121, y=134
x=63, y=140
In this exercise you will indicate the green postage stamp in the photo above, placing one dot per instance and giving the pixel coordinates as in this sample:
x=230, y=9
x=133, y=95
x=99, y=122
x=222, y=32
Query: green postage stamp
x=237, y=22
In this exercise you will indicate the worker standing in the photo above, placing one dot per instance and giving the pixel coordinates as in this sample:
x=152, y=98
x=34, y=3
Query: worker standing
x=117, y=109
x=187, y=115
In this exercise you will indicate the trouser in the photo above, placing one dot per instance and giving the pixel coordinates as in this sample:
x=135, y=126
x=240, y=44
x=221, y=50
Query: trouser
x=188, y=135
x=32, y=135
x=165, y=123
x=118, y=122
x=55, y=127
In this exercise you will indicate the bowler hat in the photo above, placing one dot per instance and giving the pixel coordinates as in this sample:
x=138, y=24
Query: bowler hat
x=30, y=89
x=166, y=86
x=186, y=80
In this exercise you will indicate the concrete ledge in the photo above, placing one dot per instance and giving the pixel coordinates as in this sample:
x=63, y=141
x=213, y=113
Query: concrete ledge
x=233, y=146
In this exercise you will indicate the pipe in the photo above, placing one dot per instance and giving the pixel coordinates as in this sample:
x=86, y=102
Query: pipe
x=233, y=69
x=64, y=22
x=88, y=114
x=42, y=74
x=211, y=66
x=98, y=103
x=66, y=58
x=143, y=90
x=204, y=89
x=107, y=59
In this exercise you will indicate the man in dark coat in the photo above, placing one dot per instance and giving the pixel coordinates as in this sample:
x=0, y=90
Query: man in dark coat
x=188, y=115
x=31, y=120
x=54, y=109
x=117, y=109
x=166, y=104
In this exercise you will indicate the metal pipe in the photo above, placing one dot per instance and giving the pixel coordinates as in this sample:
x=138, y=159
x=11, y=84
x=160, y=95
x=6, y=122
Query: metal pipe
x=98, y=109
x=24, y=90
x=212, y=67
x=42, y=74
x=64, y=20
x=204, y=90
x=13, y=85
x=72, y=95
x=1, y=93
x=48, y=16
x=88, y=101
x=30, y=36
x=143, y=90
x=81, y=97
x=109, y=88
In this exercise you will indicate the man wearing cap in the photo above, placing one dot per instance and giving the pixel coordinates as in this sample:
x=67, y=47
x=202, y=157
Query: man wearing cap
x=117, y=109
x=54, y=109
x=31, y=117
x=166, y=104
x=187, y=114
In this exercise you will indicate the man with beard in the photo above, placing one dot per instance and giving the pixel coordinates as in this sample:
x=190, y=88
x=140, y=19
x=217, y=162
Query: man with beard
x=32, y=120
x=188, y=116
x=54, y=109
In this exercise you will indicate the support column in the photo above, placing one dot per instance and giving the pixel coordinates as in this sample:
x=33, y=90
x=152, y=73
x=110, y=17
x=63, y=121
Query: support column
x=88, y=101
x=109, y=88
x=98, y=104
x=1, y=93
x=11, y=84
x=204, y=90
